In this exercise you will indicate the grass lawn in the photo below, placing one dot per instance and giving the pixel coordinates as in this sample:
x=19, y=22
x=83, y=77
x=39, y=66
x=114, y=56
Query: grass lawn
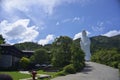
x=48, y=73
x=16, y=75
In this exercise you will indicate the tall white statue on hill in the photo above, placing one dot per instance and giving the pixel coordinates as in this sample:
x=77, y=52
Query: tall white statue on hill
x=85, y=45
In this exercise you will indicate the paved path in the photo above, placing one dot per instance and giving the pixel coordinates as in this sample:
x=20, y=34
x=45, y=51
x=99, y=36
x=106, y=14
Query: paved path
x=93, y=71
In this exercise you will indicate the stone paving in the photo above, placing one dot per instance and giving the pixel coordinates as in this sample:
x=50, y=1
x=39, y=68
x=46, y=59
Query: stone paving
x=93, y=71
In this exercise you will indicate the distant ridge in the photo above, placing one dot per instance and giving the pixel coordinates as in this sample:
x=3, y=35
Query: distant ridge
x=103, y=42
x=97, y=43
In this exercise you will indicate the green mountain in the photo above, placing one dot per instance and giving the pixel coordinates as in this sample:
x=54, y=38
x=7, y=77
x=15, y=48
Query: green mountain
x=28, y=46
x=97, y=43
x=103, y=42
x=106, y=50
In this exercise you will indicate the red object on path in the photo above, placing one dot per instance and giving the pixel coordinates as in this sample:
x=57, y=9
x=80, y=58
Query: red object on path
x=34, y=74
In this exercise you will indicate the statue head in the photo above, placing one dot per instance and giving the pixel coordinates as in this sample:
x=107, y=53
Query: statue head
x=84, y=33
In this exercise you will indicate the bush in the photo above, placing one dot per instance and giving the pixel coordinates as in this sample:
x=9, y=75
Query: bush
x=78, y=67
x=39, y=57
x=119, y=67
x=107, y=57
x=24, y=62
x=61, y=73
x=114, y=64
x=69, y=69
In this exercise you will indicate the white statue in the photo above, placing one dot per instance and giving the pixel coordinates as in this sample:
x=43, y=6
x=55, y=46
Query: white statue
x=85, y=45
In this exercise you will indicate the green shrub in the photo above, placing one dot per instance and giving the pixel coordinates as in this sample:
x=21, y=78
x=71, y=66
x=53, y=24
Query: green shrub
x=108, y=57
x=24, y=62
x=69, y=69
x=114, y=64
x=61, y=73
x=119, y=67
x=78, y=67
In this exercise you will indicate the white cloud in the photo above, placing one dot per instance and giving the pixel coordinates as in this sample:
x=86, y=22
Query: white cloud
x=24, y=5
x=78, y=35
x=46, y=5
x=98, y=27
x=66, y=20
x=18, y=30
x=71, y=20
x=35, y=10
x=76, y=19
x=47, y=40
x=57, y=23
x=112, y=33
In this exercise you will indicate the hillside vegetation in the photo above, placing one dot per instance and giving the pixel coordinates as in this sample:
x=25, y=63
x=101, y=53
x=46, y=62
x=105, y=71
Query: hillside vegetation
x=105, y=50
x=97, y=43
x=103, y=42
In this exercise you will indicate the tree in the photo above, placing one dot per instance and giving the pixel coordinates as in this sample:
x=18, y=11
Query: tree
x=66, y=51
x=58, y=59
x=61, y=51
x=2, y=40
x=77, y=57
x=24, y=62
x=40, y=57
x=107, y=57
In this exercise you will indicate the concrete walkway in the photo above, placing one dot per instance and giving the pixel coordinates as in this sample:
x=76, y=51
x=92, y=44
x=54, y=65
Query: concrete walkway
x=93, y=71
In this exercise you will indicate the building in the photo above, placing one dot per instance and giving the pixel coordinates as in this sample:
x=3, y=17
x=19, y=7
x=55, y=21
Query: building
x=27, y=53
x=10, y=55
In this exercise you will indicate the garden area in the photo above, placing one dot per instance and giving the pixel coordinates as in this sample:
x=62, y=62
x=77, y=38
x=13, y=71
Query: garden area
x=64, y=56
x=17, y=75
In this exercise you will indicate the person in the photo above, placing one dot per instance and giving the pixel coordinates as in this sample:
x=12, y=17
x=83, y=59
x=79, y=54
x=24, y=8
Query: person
x=85, y=45
x=5, y=77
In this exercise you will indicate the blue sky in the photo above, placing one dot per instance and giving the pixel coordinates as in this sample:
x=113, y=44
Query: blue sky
x=42, y=21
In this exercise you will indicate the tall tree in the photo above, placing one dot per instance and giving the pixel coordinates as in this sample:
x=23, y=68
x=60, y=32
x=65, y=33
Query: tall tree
x=109, y=57
x=62, y=52
x=77, y=57
x=2, y=40
x=40, y=56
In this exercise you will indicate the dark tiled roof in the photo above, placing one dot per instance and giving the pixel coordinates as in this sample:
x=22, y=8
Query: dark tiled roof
x=10, y=50
x=5, y=45
x=28, y=51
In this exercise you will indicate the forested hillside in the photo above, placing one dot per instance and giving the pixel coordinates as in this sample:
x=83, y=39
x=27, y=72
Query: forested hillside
x=28, y=46
x=103, y=42
x=62, y=52
x=97, y=43
x=106, y=50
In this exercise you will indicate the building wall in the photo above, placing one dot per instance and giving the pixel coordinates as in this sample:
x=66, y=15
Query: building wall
x=14, y=61
x=5, y=60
